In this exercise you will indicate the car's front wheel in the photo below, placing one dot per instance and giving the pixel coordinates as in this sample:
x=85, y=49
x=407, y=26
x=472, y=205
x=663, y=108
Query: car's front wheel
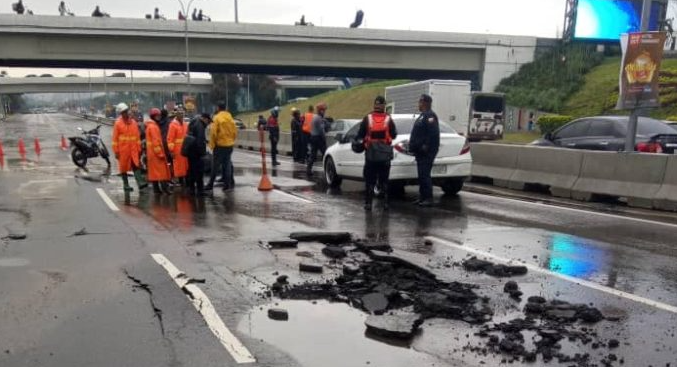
x=452, y=186
x=332, y=178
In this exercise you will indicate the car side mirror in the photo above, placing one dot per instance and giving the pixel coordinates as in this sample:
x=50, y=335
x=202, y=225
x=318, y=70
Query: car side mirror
x=340, y=138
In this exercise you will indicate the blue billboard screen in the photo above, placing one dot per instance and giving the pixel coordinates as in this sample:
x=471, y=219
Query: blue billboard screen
x=606, y=20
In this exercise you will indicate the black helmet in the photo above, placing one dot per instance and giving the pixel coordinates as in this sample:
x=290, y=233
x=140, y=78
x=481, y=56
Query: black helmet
x=358, y=146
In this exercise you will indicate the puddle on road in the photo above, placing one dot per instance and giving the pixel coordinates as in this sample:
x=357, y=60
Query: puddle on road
x=328, y=335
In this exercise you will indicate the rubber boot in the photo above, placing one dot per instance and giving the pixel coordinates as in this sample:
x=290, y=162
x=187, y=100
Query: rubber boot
x=156, y=188
x=125, y=183
x=386, y=203
x=368, y=198
x=140, y=179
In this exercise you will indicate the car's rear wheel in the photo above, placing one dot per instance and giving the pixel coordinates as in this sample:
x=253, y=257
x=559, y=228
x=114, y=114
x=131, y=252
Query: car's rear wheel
x=332, y=178
x=452, y=186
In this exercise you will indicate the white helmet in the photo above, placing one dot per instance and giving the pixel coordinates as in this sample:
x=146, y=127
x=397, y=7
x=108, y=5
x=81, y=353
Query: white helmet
x=122, y=107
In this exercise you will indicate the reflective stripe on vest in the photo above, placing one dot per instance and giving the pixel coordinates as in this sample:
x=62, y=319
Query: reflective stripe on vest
x=378, y=129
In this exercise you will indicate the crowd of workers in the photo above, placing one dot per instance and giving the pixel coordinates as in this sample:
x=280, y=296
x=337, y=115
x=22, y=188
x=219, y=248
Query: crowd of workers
x=175, y=150
x=20, y=8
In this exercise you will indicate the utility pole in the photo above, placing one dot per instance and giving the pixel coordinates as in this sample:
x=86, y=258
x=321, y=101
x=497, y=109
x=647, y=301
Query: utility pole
x=631, y=138
x=186, y=11
x=237, y=20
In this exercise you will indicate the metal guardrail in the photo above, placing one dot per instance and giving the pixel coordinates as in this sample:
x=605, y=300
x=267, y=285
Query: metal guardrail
x=643, y=180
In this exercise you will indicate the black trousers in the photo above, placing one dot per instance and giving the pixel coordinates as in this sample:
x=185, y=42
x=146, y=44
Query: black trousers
x=298, y=147
x=274, y=136
x=375, y=173
x=425, y=181
x=196, y=172
x=317, y=144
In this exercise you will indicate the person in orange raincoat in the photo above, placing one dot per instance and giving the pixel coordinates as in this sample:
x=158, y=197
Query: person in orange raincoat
x=127, y=147
x=177, y=132
x=158, y=166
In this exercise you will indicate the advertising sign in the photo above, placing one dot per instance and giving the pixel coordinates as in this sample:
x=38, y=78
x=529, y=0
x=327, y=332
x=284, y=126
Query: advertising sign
x=189, y=103
x=607, y=20
x=642, y=56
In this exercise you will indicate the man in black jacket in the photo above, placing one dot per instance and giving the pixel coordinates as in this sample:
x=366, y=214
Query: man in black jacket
x=424, y=143
x=196, y=151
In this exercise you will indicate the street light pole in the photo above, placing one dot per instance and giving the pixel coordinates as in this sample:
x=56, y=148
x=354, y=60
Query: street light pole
x=186, y=10
x=237, y=20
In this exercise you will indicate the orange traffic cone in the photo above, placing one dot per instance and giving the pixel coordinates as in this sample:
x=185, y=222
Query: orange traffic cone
x=264, y=184
x=22, y=147
x=64, y=145
x=2, y=151
x=37, y=147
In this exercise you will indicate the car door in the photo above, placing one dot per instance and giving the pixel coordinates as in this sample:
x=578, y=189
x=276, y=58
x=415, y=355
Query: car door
x=600, y=136
x=571, y=135
x=349, y=163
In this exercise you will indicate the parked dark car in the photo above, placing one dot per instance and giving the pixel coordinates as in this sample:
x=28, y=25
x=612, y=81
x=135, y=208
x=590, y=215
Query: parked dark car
x=672, y=124
x=608, y=133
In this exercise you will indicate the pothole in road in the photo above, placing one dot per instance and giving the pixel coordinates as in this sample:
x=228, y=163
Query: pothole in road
x=329, y=335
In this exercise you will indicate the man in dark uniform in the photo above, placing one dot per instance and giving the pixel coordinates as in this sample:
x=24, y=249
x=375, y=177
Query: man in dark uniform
x=273, y=127
x=298, y=150
x=377, y=128
x=424, y=143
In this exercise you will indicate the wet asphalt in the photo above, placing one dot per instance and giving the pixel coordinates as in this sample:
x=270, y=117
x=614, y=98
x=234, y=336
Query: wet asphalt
x=100, y=299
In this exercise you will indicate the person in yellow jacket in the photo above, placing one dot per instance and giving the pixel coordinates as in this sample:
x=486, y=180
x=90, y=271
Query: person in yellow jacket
x=222, y=135
x=158, y=165
x=177, y=132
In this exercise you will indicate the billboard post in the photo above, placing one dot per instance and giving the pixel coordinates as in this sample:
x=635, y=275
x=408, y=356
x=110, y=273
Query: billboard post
x=627, y=43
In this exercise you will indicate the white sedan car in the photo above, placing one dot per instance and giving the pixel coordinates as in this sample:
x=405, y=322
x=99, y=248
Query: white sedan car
x=451, y=168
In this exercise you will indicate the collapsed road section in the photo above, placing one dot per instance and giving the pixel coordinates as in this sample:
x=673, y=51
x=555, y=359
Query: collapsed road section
x=399, y=295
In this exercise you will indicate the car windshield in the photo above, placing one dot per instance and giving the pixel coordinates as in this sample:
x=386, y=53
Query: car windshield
x=406, y=124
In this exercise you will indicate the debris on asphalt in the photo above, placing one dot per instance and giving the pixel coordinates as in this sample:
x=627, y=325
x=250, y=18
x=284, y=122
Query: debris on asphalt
x=513, y=289
x=496, y=270
x=327, y=238
x=375, y=303
x=613, y=343
x=311, y=268
x=283, y=279
x=334, y=252
x=278, y=314
x=394, y=326
x=305, y=254
x=81, y=232
x=283, y=244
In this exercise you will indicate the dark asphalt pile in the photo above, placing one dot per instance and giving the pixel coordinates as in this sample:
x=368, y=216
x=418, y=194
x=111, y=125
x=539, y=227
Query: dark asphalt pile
x=400, y=295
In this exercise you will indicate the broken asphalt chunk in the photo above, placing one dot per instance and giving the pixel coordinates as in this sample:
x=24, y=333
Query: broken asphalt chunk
x=305, y=254
x=334, y=252
x=375, y=303
x=327, y=238
x=278, y=314
x=311, y=268
x=475, y=264
x=283, y=244
x=283, y=279
x=394, y=326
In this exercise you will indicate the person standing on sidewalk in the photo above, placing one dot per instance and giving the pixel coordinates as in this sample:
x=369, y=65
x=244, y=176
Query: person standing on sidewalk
x=424, y=143
x=195, y=153
x=222, y=135
x=377, y=131
x=273, y=127
x=297, y=148
x=318, y=131
x=127, y=147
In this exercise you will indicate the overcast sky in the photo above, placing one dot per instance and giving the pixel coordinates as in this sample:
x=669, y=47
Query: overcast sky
x=543, y=18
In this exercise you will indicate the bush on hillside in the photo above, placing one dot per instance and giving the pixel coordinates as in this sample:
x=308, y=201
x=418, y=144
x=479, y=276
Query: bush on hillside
x=549, y=80
x=550, y=123
x=671, y=118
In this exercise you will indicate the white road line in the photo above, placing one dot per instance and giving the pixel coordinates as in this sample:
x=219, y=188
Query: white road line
x=107, y=200
x=538, y=269
x=204, y=306
x=608, y=215
x=298, y=198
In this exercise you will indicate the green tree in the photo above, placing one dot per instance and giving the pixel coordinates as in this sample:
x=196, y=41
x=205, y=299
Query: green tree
x=226, y=88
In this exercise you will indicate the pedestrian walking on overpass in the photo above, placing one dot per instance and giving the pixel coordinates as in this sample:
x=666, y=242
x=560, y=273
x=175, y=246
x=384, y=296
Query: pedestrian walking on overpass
x=424, y=144
x=273, y=127
x=298, y=150
x=194, y=15
x=222, y=136
x=175, y=136
x=18, y=7
x=377, y=132
x=127, y=147
x=158, y=164
x=157, y=15
x=195, y=148
x=63, y=10
x=318, y=131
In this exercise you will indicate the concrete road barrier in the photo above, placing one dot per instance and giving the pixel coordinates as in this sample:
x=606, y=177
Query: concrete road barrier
x=637, y=177
x=495, y=161
x=666, y=198
x=556, y=168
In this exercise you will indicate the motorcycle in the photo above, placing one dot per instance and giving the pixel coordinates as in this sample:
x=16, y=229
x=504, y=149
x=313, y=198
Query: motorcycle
x=89, y=145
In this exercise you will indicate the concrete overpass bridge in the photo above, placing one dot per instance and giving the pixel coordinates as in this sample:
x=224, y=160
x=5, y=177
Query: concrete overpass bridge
x=101, y=84
x=83, y=42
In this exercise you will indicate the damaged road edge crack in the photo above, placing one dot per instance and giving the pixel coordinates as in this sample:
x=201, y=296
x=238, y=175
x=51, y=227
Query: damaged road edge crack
x=146, y=287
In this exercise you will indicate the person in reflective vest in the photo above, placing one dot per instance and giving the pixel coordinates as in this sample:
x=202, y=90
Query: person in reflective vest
x=306, y=127
x=377, y=131
x=127, y=147
x=177, y=132
x=158, y=166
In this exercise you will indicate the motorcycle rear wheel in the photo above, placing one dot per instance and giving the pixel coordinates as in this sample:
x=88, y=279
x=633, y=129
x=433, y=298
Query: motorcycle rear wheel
x=79, y=158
